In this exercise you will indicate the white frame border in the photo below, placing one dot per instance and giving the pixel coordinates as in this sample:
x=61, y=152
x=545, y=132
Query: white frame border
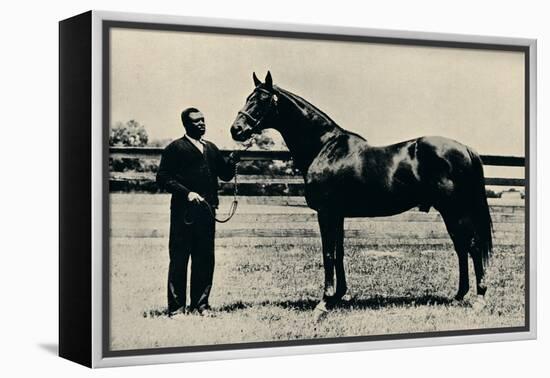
x=97, y=192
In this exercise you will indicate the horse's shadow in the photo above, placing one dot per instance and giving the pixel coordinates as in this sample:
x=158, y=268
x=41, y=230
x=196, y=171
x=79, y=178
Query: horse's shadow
x=372, y=303
x=308, y=304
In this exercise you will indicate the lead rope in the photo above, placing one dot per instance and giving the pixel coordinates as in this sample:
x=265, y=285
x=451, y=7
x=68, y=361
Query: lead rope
x=234, y=204
x=232, y=207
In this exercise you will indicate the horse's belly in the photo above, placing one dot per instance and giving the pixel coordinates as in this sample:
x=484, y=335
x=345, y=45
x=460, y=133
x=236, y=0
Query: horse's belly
x=377, y=209
x=379, y=205
x=356, y=200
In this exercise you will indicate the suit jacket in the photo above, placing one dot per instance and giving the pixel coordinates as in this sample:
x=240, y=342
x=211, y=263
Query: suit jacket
x=183, y=169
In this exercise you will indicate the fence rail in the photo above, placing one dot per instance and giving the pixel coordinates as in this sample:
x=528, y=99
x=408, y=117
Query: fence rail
x=155, y=153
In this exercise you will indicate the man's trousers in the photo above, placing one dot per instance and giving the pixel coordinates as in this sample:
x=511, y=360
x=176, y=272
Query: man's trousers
x=195, y=241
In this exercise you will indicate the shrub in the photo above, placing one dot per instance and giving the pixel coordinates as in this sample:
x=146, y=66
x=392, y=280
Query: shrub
x=130, y=134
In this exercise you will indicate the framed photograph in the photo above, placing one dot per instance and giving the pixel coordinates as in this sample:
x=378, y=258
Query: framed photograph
x=232, y=189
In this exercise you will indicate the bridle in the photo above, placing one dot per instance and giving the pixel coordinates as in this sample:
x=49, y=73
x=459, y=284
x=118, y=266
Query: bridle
x=273, y=101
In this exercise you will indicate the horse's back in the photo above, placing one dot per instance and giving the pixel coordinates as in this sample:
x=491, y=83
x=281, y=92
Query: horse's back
x=445, y=148
x=363, y=180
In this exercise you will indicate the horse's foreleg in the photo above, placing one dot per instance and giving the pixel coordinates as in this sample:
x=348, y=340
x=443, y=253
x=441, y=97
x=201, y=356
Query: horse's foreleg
x=328, y=226
x=328, y=238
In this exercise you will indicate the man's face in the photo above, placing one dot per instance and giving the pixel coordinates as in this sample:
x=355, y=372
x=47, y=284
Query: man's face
x=196, y=126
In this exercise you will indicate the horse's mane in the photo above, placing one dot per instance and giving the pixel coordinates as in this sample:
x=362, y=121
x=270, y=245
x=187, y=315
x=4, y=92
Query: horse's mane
x=303, y=103
x=300, y=101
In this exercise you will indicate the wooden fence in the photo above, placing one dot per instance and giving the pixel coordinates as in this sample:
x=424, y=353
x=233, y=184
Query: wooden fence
x=279, y=215
x=268, y=220
x=286, y=184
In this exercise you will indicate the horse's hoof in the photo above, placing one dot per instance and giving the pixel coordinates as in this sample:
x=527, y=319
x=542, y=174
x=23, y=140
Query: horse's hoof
x=347, y=297
x=459, y=297
x=457, y=301
x=481, y=290
x=320, y=312
x=329, y=292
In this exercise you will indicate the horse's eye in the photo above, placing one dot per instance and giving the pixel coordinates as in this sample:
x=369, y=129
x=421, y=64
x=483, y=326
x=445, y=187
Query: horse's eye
x=264, y=96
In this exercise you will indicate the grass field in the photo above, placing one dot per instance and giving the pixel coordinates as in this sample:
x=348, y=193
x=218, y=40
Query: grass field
x=266, y=285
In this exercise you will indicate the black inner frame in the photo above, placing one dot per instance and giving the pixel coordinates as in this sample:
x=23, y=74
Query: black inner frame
x=106, y=72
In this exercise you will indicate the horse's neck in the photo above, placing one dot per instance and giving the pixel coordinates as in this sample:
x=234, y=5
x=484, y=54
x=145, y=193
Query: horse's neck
x=304, y=129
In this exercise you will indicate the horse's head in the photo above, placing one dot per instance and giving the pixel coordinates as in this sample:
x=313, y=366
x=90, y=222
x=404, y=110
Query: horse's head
x=258, y=112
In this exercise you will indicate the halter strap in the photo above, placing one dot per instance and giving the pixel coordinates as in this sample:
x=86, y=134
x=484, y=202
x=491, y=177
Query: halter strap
x=272, y=103
x=250, y=117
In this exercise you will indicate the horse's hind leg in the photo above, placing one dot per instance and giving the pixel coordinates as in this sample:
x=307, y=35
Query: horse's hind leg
x=463, y=234
x=480, y=271
x=463, y=280
x=461, y=231
x=341, y=286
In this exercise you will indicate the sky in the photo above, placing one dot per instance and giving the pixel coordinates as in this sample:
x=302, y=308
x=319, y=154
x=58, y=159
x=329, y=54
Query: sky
x=386, y=93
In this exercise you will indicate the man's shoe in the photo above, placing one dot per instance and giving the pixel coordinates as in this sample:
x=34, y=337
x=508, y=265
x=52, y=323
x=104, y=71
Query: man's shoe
x=177, y=313
x=206, y=311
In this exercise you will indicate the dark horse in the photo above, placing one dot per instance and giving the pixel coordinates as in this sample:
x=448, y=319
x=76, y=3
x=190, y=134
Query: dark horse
x=346, y=177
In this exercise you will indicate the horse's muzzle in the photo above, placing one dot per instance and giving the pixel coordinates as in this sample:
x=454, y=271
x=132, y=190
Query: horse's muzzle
x=240, y=133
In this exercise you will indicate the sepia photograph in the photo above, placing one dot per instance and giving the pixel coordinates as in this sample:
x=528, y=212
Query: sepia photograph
x=284, y=188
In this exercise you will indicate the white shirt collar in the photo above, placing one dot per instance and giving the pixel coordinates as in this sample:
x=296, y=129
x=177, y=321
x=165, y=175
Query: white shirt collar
x=197, y=143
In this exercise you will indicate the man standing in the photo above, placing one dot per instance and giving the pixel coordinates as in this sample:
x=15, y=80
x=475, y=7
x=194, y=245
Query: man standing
x=189, y=169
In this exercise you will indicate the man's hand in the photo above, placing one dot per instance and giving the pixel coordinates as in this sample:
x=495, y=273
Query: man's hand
x=194, y=197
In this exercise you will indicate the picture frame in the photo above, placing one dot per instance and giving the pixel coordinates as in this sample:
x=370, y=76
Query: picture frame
x=87, y=80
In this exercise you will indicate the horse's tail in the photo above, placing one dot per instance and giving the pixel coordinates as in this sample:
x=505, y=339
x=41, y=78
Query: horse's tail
x=481, y=213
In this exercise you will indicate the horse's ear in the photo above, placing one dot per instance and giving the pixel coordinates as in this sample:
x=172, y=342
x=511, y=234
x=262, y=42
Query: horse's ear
x=268, y=80
x=256, y=80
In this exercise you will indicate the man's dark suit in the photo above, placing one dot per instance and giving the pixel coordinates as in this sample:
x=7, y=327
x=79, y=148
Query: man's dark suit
x=184, y=169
